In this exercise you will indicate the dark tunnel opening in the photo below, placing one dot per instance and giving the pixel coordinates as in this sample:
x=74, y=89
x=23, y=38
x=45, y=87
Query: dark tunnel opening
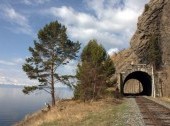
x=145, y=80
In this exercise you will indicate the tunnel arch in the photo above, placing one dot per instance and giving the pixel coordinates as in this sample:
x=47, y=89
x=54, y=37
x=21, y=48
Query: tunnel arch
x=145, y=80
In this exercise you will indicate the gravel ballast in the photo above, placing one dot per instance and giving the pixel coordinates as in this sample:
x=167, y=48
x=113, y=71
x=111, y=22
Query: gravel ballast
x=133, y=115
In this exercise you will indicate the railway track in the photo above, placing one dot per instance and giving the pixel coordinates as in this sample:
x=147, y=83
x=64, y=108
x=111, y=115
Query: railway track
x=153, y=113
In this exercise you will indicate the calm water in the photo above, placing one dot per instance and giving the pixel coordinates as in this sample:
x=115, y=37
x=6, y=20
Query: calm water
x=14, y=105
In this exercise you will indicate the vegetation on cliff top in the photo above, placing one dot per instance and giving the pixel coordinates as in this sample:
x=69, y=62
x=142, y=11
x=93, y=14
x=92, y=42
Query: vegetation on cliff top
x=153, y=54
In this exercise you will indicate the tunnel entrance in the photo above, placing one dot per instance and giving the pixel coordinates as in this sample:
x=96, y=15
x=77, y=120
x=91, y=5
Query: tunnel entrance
x=137, y=83
x=133, y=86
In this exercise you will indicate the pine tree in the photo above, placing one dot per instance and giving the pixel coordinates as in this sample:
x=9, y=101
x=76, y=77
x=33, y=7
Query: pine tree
x=93, y=71
x=108, y=71
x=52, y=50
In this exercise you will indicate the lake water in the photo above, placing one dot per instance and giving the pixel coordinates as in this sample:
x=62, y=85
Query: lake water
x=14, y=105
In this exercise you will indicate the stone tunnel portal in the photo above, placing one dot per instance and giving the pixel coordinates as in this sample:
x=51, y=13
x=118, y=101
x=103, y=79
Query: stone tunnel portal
x=144, y=78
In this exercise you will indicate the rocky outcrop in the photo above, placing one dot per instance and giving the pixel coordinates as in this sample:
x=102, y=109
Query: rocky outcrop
x=123, y=59
x=165, y=32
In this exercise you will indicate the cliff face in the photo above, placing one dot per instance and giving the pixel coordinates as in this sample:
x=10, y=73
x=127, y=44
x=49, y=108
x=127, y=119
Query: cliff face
x=155, y=20
x=123, y=59
x=165, y=32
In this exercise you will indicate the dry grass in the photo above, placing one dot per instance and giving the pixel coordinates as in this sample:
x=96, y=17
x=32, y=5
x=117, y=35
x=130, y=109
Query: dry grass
x=67, y=113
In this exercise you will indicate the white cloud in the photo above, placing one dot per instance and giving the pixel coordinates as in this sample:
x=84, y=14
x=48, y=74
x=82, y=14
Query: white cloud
x=69, y=69
x=16, y=61
x=31, y=2
x=19, y=22
x=11, y=72
x=112, y=22
x=16, y=76
x=112, y=51
x=2, y=62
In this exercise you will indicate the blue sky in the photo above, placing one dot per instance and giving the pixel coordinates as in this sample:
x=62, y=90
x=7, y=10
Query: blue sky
x=111, y=22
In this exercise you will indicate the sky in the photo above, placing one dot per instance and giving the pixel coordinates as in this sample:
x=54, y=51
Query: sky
x=111, y=22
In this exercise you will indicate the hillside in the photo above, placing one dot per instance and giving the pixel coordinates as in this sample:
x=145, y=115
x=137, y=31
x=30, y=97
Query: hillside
x=104, y=112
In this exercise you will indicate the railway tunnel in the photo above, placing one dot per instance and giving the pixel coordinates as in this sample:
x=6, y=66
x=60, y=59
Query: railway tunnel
x=144, y=79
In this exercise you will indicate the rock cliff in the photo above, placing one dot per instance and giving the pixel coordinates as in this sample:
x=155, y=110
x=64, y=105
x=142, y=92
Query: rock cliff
x=155, y=21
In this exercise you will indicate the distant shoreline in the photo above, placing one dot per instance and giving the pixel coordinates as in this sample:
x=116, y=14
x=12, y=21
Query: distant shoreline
x=11, y=86
x=22, y=86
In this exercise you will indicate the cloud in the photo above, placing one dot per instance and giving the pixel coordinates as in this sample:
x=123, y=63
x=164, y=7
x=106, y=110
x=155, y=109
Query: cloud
x=16, y=76
x=2, y=62
x=111, y=22
x=69, y=69
x=11, y=72
x=31, y=2
x=16, y=61
x=19, y=22
x=112, y=51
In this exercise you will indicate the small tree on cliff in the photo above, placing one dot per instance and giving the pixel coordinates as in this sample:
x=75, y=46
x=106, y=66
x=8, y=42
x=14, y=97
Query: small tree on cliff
x=93, y=72
x=52, y=50
x=153, y=53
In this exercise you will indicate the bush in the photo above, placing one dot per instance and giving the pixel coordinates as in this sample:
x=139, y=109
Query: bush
x=154, y=53
x=146, y=7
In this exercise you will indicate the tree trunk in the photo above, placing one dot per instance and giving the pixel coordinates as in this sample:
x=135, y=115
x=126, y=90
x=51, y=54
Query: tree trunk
x=94, y=85
x=94, y=91
x=52, y=86
x=53, y=94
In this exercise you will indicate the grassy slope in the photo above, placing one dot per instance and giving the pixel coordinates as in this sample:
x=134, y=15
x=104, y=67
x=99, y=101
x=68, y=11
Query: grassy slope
x=75, y=113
